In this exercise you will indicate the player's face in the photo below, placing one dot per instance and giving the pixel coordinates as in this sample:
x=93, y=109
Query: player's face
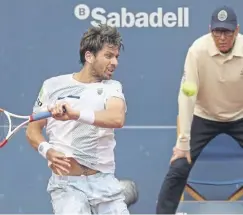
x=224, y=39
x=106, y=62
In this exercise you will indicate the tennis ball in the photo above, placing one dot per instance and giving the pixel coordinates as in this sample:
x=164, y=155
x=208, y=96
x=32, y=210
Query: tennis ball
x=189, y=89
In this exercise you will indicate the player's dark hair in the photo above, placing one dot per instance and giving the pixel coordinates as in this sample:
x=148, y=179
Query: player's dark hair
x=96, y=37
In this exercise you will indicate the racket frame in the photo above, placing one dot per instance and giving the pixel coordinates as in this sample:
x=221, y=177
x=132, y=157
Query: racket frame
x=28, y=119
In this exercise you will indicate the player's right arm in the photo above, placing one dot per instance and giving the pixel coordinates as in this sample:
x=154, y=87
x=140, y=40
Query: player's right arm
x=34, y=135
x=186, y=104
x=34, y=130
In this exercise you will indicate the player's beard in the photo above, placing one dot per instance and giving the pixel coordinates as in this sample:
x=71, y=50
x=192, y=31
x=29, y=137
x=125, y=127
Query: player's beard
x=100, y=72
x=95, y=73
x=101, y=75
x=107, y=75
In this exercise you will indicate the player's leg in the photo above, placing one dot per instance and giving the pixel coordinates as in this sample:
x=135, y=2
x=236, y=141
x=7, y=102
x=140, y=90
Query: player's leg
x=67, y=199
x=117, y=206
x=202, y=132
x=106, y=196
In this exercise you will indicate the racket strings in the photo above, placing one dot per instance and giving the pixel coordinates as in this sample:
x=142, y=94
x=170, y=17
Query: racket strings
x=4, y=126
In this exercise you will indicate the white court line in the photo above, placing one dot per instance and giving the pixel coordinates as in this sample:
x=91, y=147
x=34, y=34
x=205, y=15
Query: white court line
x=149, y=127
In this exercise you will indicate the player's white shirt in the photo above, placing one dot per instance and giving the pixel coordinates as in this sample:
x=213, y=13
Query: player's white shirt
x=90, y=145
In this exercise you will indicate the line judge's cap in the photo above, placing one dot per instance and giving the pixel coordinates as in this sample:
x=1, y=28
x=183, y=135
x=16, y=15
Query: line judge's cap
x=224, y=17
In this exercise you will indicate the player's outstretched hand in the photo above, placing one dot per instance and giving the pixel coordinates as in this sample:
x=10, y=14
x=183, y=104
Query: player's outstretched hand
x=63, y=112
x=178, y=153
x=59, y=161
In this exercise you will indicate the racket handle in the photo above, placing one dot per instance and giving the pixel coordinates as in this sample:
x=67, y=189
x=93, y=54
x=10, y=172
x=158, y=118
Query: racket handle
x=38, y=116
x=43, y=115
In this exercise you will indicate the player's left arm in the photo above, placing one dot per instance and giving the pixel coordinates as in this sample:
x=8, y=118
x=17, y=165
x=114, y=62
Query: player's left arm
x=113, y=116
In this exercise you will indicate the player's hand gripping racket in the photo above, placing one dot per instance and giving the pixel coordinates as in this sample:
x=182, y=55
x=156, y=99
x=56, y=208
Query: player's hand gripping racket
x=6, y=123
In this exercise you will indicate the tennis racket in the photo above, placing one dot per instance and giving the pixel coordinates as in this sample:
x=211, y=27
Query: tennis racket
x=7, y=129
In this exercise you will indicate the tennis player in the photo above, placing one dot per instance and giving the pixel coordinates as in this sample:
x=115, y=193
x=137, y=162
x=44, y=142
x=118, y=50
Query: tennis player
x=81, y=139
x=215, y=64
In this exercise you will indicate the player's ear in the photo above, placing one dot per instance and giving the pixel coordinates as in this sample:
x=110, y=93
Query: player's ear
x=89, y=57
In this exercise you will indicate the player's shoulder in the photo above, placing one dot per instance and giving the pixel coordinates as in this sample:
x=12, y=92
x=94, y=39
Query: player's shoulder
x=56, y=82
x=57, y=79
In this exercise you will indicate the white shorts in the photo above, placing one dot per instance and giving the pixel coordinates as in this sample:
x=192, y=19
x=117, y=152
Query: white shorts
x=95, y=194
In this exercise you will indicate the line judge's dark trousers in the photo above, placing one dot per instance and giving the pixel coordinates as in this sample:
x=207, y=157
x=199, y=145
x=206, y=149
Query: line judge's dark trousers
x=202, y=131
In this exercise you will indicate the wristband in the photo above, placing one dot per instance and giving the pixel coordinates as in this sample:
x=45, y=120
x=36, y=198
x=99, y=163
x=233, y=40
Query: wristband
x=87, y=116
x=43, y=148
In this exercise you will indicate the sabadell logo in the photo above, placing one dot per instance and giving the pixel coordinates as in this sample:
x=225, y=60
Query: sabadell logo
x=127, y=19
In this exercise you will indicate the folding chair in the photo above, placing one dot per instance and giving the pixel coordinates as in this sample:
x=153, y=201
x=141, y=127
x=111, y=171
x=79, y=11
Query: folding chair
x=226, y=152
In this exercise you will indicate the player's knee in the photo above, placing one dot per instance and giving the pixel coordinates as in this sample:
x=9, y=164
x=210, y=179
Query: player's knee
x=113, y=207
x=68, y=200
